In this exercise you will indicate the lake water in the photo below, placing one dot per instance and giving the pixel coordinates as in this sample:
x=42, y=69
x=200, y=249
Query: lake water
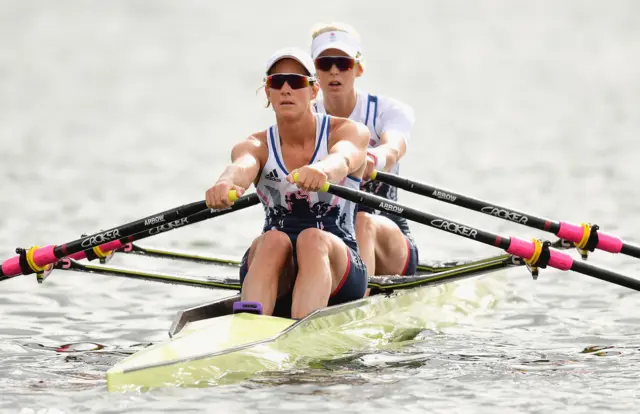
x=111, y=111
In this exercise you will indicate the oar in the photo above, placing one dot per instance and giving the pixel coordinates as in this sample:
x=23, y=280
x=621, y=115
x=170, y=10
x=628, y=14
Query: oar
x=104, y=251
x=536, y=253
x=586, y=237
x=38, y=259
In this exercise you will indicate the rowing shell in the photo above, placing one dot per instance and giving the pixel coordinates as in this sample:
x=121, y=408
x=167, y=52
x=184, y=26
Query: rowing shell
x=210, y=345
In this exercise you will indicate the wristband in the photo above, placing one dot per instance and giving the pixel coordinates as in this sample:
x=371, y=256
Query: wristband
x=380, y=162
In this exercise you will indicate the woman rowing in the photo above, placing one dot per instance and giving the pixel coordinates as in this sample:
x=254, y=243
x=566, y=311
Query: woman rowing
x=307, y=256
x=385, y=241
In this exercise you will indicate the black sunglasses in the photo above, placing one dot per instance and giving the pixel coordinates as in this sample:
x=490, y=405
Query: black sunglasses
x=294, y=80
x=343, y=63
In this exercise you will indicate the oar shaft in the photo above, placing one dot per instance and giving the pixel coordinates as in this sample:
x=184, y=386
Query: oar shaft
x=468, y=202
x=566, y=231
x=430, y=220
x=605, y=274
x=47, y=255
x=630, y=250
x=242, y=203
x=50, y=254
x=513, y=245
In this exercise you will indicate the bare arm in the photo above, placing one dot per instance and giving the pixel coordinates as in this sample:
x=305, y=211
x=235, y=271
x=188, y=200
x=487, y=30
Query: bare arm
x=246, y=161
x=396, y=122
x=247, y=158
x=392, y=147
x=347, y=150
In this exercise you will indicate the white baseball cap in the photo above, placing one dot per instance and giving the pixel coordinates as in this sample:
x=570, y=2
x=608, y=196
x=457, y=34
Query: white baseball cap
x=294, y=53
x=335, y=40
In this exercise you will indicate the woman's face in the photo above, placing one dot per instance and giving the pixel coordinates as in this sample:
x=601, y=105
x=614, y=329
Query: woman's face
x=289, y=89
x=336, y=72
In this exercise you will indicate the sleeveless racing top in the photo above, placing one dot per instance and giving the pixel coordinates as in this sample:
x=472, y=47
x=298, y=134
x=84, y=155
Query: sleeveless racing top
x=291, y=210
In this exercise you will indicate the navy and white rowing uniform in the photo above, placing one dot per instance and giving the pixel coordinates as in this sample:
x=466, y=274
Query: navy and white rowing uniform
x=292, y=210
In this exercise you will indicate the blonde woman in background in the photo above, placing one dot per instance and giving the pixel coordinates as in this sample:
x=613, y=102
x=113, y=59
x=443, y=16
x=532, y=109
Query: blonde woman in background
x=384, y=240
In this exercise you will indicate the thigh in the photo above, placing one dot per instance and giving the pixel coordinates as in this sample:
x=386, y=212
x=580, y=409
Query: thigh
x=314, y=247
x=392, y=249
x=328, y=266
x=288, y=272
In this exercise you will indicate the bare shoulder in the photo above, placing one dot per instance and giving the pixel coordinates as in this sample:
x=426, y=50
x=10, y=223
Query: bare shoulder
x=258, y=138
x=255, y=144
x=343, y=128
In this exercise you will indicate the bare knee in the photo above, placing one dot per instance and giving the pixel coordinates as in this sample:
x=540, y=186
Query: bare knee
x=275, y=240
x=311, y=238
x=271, y=249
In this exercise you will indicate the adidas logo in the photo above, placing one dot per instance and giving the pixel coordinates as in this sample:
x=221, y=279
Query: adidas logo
x=273, y=176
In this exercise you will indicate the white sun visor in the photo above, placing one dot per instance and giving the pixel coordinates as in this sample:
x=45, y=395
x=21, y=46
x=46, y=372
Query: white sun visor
x=335, y=40
x=294, y=53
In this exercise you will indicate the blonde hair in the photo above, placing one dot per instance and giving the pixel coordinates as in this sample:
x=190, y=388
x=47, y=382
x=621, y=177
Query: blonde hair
x=321, y=28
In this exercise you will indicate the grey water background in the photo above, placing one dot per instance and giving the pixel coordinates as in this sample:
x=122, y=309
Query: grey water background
x=114, y=110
